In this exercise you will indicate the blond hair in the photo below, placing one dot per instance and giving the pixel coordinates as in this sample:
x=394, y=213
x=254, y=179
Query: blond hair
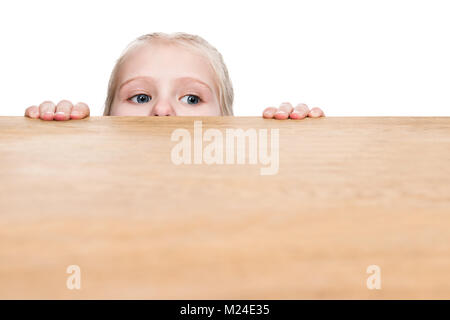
x=214, y=57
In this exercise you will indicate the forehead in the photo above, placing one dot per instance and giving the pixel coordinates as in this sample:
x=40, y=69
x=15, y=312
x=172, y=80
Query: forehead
x=166, y=61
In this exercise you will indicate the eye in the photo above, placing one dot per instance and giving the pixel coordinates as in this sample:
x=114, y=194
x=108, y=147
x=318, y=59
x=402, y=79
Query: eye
x=191, y=99
x=140, y=98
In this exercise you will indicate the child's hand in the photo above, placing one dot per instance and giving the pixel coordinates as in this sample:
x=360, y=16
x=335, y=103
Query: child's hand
x=286, y=111
x=64, y=110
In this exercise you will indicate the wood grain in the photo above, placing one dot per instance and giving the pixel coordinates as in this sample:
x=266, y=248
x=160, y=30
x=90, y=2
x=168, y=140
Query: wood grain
x=102, y=193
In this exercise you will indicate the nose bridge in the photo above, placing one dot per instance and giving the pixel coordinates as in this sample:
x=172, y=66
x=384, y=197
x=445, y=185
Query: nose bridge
x=163, y=107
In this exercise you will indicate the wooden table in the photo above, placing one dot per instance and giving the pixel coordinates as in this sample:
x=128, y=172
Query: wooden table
x=103, y=194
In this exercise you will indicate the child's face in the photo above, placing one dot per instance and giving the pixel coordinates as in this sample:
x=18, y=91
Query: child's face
x=164, y=79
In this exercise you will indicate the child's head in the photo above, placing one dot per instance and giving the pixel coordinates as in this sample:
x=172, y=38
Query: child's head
x=169, y=74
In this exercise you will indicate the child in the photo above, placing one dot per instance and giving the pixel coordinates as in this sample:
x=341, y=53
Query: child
x=161, y=74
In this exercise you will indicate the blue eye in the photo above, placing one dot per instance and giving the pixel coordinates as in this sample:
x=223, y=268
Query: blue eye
x=141, y=98
x=191, y=99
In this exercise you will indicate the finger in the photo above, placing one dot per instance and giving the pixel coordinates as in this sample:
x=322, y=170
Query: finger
x=47, y=110
x=316, y=113
x=283, y=111
x=300, y=111
x=269, y=112
x=80, y=111
x=63, y=110
x=32, y=112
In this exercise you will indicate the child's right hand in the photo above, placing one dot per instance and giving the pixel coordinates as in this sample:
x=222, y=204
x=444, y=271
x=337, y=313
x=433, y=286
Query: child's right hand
x=64, y=110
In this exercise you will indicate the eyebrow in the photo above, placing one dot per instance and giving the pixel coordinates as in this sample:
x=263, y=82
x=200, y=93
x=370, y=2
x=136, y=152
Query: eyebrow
x=183, y=79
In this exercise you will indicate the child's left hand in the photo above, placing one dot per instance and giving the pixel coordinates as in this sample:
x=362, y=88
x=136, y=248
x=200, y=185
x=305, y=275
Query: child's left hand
x=286, y=111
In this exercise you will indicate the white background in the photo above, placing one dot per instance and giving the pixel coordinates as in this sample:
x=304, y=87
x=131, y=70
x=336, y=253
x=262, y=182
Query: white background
x=351, y=58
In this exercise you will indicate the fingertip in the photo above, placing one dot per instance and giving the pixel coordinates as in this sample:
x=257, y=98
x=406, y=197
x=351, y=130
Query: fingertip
x=80, y=111
x=78, y=115
x=315, y=113
x=33, y=115
x=82, y=105
x=281, y=115
x=285, y=107
x=297, y=115
x=47, y=116
x=61, y=116
x=294, y=115
x=47, y=110
x=269, y=112
x=32, y=112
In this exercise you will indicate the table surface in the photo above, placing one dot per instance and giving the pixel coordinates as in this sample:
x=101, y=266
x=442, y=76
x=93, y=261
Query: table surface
x=103, y=193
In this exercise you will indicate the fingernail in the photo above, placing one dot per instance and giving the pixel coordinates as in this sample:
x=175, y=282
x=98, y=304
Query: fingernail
x=280, y=112
x=60, y=112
